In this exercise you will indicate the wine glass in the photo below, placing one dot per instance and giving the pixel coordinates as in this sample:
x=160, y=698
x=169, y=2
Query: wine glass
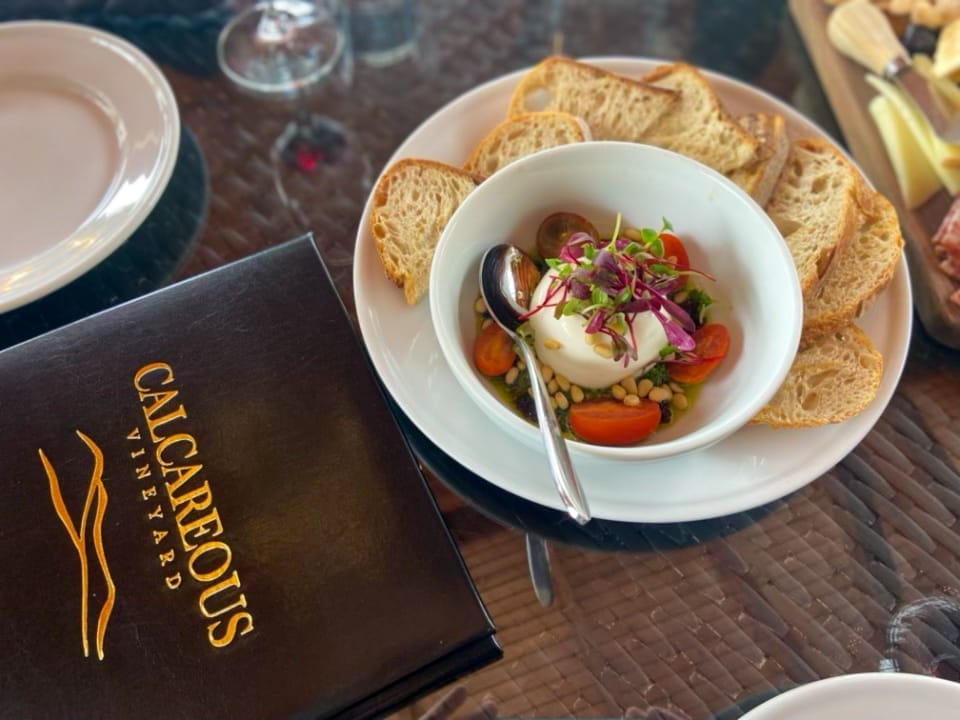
x=287, y=50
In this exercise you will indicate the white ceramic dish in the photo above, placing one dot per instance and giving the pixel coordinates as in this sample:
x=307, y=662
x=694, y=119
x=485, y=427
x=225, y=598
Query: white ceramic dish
x=89, y=132
x=757, y=295
x=754, y=466
x=866, y=696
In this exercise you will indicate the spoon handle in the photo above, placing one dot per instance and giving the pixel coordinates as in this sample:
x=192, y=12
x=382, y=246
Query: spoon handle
x=560, y=466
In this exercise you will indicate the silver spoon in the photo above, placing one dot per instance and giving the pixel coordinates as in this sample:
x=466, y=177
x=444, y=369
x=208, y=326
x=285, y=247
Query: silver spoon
x=507, y=297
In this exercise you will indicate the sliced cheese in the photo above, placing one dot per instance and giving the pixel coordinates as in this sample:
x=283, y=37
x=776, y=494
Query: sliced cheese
x=915, y=174
x=946, y=58
x=943, y=156
x=945, y=92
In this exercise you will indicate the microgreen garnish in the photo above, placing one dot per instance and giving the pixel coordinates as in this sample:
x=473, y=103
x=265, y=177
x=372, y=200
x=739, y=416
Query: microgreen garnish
x=610, y=282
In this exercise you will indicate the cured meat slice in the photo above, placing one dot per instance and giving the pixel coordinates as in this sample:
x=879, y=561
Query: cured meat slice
x=946, y=243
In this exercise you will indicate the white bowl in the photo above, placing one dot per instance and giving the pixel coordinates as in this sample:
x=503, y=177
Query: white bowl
x=724, y=231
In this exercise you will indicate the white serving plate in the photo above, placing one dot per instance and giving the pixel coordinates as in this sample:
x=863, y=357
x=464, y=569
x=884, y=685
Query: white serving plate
x=754, y=466
x=866, y=696
x=89, y=132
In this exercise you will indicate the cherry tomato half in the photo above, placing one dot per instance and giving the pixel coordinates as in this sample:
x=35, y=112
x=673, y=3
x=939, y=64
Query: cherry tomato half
x=610, y=422
x=673, y=248
x=713, y=341
x=556, y=229
x=493, y=352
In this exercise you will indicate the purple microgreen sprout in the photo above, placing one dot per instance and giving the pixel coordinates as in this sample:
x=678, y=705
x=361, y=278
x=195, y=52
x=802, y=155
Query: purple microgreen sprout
x=608, y=283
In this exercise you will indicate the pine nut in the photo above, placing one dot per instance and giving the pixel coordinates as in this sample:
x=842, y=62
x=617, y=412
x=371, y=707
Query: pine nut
x=551, y=344
x=486, y=323
x=632, y=233
x=644, y=387
x=631, y=399
x=511, y=377
x=480, y=306
x=521, y=365
x=630, y=385
x=659, y=394
x=680, y=296
x=589, y=338
x=553, y=403
x=547, y=372
x=680, y=401
x=563, y=382
x=618, y=391
x=552, y=386
x=561, y=401
x=603, y=350
x=676, y=387
x=576, y=393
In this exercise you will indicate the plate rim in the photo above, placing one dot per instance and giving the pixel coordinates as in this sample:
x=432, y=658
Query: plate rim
x=702, y=508
x=168, y=147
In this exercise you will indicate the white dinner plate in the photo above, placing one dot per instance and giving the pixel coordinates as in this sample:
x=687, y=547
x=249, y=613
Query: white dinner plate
x=89, y=132
x=754, y=466
x=866, y=696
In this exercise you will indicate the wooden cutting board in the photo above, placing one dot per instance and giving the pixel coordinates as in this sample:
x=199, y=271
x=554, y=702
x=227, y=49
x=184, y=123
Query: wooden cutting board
x=848, y=93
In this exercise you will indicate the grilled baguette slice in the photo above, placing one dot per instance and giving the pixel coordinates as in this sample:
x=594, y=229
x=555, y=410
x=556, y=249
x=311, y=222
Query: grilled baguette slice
x=759, y=177
x=858, y=274
x=831, y=380
x=613, y=107
x=699, y=126
x=523, y=135
x=412, y=203
x=815, y=205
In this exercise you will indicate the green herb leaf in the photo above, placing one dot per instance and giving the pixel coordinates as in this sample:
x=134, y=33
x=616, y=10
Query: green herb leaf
x=667, y=350
x=666, y=225
x=699, y=302
x=649, y=237
x=657, y=374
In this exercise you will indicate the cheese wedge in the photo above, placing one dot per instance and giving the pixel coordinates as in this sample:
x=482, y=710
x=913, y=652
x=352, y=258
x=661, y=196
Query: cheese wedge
x=945, y=92
x=915, y=174
x=946, y=58
x=944, y=157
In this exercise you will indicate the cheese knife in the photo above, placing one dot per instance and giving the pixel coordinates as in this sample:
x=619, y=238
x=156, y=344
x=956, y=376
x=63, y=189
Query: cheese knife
x=861, y=31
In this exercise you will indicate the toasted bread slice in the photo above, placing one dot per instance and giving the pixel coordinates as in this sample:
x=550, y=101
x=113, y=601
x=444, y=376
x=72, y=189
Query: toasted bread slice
x=698, y=126
x=523, y=135
x=858, y=274
x=815, y=205
x=613, y=107
x=412, y=203
x=759, y=177
x=832, y=379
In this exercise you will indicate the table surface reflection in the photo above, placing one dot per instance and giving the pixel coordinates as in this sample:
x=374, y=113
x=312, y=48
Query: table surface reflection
x=699, y=617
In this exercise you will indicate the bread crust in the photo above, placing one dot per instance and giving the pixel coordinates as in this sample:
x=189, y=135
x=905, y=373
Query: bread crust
x=699, y=126
x=816, y=232
x=859, y=274
x=400, y=177
x=656, y=101
x=760, y=177
x=831, y=380
x=573, y=129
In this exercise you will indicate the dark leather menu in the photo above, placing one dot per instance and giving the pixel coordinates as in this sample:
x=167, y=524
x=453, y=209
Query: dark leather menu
x=208, y=511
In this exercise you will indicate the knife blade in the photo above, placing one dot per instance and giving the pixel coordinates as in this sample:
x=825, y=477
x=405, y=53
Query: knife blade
x=861, y=31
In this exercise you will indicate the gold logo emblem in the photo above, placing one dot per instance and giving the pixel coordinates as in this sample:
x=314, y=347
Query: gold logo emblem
x=96, y=502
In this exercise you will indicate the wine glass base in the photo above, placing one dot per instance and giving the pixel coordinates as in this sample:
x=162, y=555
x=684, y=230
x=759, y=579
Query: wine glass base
x=281, y=47
x=317, y=157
